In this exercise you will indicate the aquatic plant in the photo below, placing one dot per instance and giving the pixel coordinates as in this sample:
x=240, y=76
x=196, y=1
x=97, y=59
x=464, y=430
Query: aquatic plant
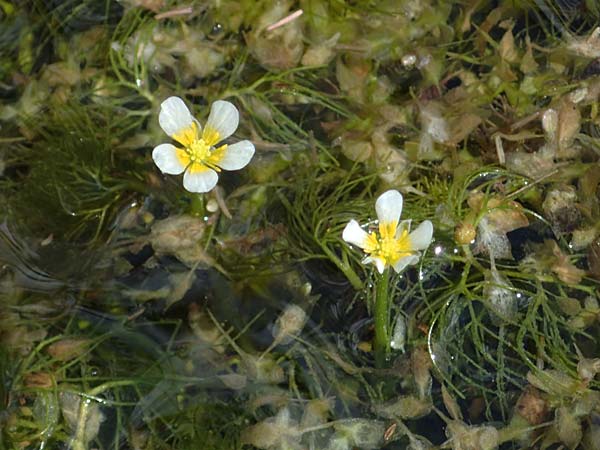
x=71, y=179
x=392, y=247
x=199, y=158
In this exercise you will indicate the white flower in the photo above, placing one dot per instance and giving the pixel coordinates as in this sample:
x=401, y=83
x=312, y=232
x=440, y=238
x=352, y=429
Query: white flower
x=199, y=157
x=393, y=245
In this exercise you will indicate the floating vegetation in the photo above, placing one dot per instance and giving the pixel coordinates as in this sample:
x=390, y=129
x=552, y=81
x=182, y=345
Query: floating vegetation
x=137, y=313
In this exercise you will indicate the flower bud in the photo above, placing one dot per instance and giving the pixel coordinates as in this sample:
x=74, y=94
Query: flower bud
x=465, y=233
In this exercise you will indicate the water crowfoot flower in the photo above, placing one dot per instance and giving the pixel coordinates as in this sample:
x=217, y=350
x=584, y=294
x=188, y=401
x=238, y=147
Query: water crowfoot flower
x=199, y=158
x=394, y=245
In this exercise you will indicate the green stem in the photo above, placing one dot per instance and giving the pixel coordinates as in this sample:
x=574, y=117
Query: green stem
x=382, y=319
x=79, y=441
x=197, y=205
x=345, y=267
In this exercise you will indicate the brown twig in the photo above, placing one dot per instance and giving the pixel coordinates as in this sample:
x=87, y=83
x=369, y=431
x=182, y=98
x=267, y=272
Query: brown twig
x=174, y=13
x=285, y=20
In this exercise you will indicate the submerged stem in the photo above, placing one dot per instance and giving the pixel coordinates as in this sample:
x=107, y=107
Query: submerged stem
x=197, y=205
x=344, y=266
x=382, y=319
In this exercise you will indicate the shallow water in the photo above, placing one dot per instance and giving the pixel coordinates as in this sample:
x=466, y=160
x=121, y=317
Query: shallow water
x=135, y=314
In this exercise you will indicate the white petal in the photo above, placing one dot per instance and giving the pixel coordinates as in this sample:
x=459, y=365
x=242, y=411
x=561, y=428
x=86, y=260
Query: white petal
x=200, y=181
x=420, y=238
x=354, y=234
x=223, y=118
x=403, y=262
x=165, y=157
x=379, y=263
x=174, y=116
x=237, y=156
x=389, y=207
x=403, y=225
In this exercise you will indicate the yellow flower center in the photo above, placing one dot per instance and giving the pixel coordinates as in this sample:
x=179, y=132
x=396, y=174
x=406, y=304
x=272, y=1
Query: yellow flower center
x=386, y=246
x=199, y=152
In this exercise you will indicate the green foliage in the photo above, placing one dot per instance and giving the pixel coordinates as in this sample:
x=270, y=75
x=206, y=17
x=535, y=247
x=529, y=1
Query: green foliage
x=319, y=207
x=209, y=425
x=72, y=180
x=282, y=107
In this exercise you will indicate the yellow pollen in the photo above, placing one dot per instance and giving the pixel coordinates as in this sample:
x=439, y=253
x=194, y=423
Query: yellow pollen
x=387, y=247
x=211, y=136
x=199, y=153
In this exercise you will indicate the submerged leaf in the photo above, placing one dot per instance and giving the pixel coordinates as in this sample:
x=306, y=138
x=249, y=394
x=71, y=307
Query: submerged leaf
x=46, y=412
x=20, y=339
x=588, y=368
x=275, y=432
x=67, y=349
x=507, y=48
x=594, y=258
x=570, y=306
x=532, y=406
x=280, y=48
x=405, y=407
x=564, y=268
x=451, y=404
x=39, y=380
x=398, y=339
x=321, y=53
x=234, y=381
x=550, y=258
x=352, y=75
x=361, y=433
x=568, y=427
x=500, y=297
x=263, y=369
x=205, y=330
x=501, y=217
x=419, y=443
x=464, y=437
x=560, y=207
x=72, y=412
x=354, y=150
x=180, y=236
x=316, y=412
x=554, y=382
x=181, y=283
x=591, y=436
x=289, y=323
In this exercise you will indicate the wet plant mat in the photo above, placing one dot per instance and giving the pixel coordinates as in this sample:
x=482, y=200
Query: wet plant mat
x=276, y=309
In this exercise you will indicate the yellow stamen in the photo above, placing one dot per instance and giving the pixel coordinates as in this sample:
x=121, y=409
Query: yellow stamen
x=217, y=155
x=387, y=247
x=183, y=157
x=197, y=167
x=387, y=229
x=187, y=136
x=199, y=153
x=372, y=243
x=211, y=136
